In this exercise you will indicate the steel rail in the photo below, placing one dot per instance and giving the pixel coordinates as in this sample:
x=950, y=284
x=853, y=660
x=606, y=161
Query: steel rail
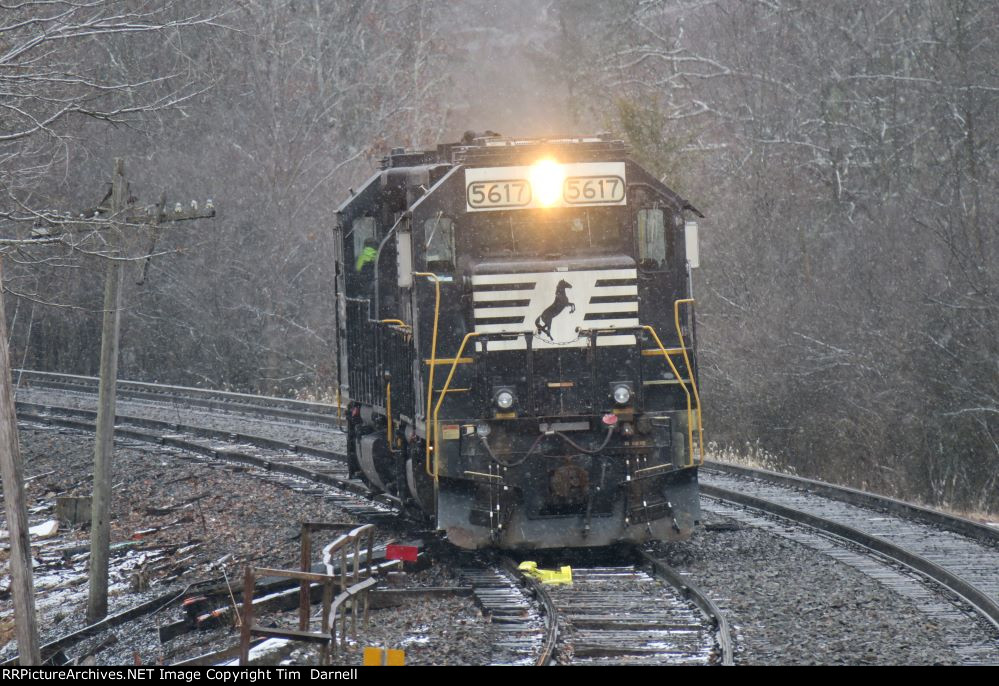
x=547, y=652
x=85, y=419
x=974, y=596
x=39, y=410
x=285, y=408
x=670, y=576
x=703, y=602
x=959, y=525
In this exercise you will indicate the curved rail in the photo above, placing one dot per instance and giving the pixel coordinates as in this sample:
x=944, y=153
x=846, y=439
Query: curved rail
x=165, y=434
x=960, y=525
x=547, y=652
x=974, y=596
x=699, y=598
x=614, y=629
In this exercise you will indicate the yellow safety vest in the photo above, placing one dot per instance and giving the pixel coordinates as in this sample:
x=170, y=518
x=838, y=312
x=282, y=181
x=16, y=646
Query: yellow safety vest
x=367, y=255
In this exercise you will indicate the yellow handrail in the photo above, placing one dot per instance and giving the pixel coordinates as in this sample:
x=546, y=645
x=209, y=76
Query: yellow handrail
x=652, y=352
x=690, y=372
x=676, y=374
x=448, y=360
x=397, y=322
x=440, y=400
x=433, y=361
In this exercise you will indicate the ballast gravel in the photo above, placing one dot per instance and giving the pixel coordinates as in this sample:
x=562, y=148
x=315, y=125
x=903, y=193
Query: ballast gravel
x=790, y=605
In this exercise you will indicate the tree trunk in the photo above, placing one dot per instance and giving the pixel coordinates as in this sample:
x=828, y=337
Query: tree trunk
x=22, y=585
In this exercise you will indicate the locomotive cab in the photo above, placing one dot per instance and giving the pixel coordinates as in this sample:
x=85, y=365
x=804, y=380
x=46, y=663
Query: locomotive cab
x=519, y=348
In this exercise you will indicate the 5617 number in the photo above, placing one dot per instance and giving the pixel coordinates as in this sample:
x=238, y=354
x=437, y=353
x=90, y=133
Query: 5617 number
x=584, y=190
x=512, y=193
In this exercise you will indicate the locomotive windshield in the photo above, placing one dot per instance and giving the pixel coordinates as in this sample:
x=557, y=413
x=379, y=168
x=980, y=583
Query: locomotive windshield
x=569, y=231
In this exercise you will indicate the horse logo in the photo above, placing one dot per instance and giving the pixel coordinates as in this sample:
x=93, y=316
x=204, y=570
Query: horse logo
x=544, y=322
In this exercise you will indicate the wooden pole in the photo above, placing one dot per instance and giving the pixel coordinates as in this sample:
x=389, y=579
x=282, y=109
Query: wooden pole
x=100, y=522
x=12, y=469
x=304, y=591
x=249, y=582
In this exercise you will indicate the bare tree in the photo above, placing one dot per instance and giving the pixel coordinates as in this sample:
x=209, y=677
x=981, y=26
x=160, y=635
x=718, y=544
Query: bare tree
x=309, y=97
x=56, y=69
x=841, y=151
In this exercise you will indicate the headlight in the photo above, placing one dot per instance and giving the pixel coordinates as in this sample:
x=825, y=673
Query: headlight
x=547, y=177
x=504, y=399
x=622, y=394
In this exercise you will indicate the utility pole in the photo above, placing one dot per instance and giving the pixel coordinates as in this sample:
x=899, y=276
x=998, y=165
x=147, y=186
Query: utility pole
x=12, y=469
x=100, y=523
x=100, y=520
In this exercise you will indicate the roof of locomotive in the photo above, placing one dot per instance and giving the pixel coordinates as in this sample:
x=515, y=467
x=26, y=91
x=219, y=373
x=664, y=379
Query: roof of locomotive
x=492, y=150
x=495, y=150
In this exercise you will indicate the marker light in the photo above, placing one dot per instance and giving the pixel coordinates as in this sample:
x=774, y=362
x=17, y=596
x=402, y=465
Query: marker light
x=622, y=394
x=504, y=399
x=547, y=177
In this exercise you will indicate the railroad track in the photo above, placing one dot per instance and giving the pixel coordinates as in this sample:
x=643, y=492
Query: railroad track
x=302, y=468
x=521, y=634
x=949, y=568
x=312, y=471
x=638, y=614
x=202, y=422
x=245, y=403
x=659, y=626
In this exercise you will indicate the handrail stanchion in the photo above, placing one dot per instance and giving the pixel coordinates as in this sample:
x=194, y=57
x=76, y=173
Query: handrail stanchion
x=690, y=371
x=433, y=361
x=676, y=374
x=443, y=393
x=388, y=411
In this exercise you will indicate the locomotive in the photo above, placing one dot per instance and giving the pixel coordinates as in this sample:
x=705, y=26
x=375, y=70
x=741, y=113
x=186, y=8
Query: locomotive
x=516, y=337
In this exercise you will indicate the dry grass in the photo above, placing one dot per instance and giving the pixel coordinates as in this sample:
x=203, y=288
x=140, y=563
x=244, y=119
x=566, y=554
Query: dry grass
x=753, y=456
x=318, y=395
x=749, y=455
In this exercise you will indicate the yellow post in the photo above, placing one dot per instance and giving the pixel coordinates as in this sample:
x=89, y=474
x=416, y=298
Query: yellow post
x=384, y=657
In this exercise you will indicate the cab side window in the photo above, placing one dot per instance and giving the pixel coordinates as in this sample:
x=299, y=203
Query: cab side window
x=362, y=229
x=364, y=241
x=652, y=239
x=438, y=233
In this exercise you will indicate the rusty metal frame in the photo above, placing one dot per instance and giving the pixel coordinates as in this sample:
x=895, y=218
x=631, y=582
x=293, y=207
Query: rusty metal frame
x=352, y=582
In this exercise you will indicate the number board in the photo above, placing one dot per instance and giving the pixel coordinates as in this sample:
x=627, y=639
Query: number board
x=562, y=185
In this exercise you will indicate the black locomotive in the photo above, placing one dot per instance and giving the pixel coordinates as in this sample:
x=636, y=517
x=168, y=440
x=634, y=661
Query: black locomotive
x=516, y=339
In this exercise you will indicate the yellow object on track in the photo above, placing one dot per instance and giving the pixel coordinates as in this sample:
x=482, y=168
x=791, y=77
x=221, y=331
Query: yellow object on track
x=563, y=575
